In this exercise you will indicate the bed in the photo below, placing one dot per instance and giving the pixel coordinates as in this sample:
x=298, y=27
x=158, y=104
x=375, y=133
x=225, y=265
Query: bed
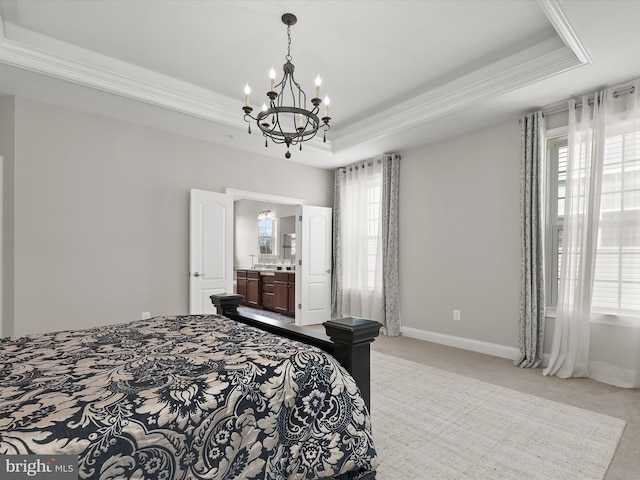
x=189, y=397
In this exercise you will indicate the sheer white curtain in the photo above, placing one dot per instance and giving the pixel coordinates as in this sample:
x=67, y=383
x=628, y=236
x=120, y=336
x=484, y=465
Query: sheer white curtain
x=597, y=330
x=361, y=237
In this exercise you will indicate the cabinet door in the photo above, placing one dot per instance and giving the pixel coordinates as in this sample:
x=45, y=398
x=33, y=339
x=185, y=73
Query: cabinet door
x=291, y=310
x=241, y=284
x=267, y=301
x=241, y=289
x=253, y=292
x=281, y=295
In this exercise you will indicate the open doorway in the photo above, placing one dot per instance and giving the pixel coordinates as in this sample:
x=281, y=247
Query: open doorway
x=265, y=253
x=264, y=258
x=301, y=281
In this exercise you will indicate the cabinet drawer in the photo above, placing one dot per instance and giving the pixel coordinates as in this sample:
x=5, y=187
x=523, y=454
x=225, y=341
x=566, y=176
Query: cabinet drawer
x=253, y=274
x=281, y=277
x=267, y=288
x=267, y=279
x=241, y=273
x=267, y=300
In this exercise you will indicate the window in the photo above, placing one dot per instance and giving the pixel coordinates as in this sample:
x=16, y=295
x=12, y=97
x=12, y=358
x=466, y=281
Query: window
x=556, y=181
x=616, y=286
x=360, y=227
x=373, y=224
x=266, y=233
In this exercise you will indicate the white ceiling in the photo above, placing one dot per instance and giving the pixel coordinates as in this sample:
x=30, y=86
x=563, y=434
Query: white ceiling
x=400, y=74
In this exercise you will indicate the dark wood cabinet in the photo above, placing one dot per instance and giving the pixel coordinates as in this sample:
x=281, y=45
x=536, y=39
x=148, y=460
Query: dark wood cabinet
x=285, y=293
x=275, y=292
x=253, y=288
x=241, y=285
x=268, y=292
x=248, y=285
x=292, y=295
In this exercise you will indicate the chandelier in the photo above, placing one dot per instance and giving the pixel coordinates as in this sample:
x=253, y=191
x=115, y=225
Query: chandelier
x=286, y=118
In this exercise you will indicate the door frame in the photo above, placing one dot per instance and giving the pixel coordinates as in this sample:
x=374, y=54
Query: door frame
x=263, y=197
x=5, y=330
x=268, y=198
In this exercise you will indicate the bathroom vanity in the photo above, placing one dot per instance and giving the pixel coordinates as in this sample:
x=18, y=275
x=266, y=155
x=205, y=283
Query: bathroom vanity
x=273, y=290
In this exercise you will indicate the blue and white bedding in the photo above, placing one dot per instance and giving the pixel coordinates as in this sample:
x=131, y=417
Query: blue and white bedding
x=184, y=397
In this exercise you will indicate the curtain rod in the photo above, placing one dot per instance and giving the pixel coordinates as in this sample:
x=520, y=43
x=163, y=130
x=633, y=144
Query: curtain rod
x=629, y=89
x=622, y=91
x=367, y=163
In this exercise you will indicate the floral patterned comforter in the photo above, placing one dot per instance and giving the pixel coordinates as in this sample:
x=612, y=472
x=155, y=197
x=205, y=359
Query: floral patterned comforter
x=185, y=397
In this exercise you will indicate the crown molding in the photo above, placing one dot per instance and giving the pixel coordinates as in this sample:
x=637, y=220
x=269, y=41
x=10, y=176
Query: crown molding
x=496, y=79
x=558, y=19
x=493, y=80
x=67, y=62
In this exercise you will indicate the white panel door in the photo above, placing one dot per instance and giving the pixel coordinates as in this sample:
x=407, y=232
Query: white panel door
x=313, y=275
x=4, y=331
x=210, y=249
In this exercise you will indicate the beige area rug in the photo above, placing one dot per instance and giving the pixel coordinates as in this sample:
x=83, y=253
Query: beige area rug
x=432, y=424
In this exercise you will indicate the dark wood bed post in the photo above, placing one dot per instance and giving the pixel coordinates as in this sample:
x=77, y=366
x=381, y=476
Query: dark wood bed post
x=347, y=339
x=352, y=338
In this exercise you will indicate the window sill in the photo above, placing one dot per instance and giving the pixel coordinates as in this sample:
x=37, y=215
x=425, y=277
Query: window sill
x=615, y=320
x=603, y=318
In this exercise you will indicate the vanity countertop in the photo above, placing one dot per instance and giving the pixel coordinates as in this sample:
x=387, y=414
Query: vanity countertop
x=267, y=272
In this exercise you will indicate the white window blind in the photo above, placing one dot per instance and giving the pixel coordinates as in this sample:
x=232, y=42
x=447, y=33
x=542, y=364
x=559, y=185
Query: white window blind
x=616, y=288
x=373, y=234
x=557, y=159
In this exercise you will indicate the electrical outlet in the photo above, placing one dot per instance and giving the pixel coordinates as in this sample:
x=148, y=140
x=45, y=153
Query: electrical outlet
x=146, y=315
x=456, y=314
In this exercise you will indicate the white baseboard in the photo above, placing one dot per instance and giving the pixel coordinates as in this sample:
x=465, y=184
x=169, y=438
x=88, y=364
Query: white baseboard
x=463, y=343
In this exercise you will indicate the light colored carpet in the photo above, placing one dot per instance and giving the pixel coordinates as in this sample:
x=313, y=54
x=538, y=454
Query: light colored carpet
x=436, y=425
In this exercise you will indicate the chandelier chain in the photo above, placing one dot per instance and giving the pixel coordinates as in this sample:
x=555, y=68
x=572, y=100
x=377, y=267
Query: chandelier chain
x=288, y=57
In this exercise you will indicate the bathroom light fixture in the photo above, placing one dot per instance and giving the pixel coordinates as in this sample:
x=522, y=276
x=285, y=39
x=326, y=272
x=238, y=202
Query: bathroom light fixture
x=265, y=214
x=286, y=118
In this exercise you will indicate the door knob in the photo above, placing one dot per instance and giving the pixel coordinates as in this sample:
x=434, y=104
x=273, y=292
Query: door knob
x=198, y=274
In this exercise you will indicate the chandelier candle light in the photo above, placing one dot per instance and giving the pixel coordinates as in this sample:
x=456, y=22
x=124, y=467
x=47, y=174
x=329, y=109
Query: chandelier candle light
x=286, y=119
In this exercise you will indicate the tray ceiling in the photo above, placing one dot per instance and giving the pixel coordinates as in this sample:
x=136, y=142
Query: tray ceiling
x=400, y=74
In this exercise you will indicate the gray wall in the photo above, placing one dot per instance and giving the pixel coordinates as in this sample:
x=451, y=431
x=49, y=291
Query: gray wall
x=101, y=214
x=459, y=236
x=101, y=221
x=7, y=151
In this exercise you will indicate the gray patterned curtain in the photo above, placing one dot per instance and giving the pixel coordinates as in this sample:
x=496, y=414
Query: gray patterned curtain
x=532, y=259
x=336, y=277
x=390, y=189
x=390, y=314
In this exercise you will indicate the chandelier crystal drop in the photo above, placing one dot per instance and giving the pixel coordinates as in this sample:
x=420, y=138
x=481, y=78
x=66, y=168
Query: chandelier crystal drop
x=285, y=118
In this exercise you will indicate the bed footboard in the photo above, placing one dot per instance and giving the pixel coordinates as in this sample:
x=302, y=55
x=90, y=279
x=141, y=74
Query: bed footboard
x=347, y=339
